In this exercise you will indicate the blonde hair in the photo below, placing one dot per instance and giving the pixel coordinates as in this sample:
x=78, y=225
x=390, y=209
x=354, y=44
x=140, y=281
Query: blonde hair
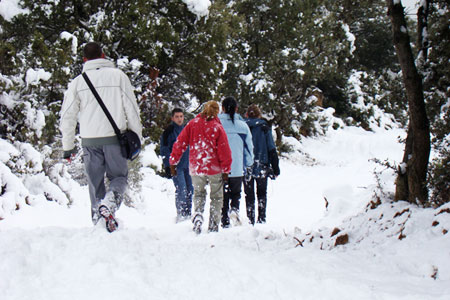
x=254, y=112
x=210, y=110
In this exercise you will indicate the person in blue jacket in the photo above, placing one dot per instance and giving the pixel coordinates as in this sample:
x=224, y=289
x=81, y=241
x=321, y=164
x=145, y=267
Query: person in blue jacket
x=265, y=165
x=182, y=181
x=240, y=140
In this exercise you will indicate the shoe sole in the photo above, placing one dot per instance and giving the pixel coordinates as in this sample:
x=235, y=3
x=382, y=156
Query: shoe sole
x=235, y=220
x=110, y=222
x=197, y=227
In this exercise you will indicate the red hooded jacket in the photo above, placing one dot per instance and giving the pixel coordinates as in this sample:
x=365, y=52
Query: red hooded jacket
x=209, y=151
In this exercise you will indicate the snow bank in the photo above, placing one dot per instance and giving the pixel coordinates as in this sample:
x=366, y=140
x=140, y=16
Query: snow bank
x=412, y=237
x=149, y=158
x=393, y=251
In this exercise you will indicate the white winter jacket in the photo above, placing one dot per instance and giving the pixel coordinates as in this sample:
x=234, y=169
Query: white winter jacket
x=80, y=105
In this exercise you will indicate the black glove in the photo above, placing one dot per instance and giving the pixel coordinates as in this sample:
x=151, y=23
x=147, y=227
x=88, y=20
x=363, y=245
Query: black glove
x=274, y=162
x=248, y=173
x=271, y=174
x=226, y=187
x=167, y=172
x=226, y=183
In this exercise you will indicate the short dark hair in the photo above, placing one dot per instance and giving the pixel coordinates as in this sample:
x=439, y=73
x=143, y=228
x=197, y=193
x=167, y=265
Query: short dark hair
x=92, y=50
x=176, y=110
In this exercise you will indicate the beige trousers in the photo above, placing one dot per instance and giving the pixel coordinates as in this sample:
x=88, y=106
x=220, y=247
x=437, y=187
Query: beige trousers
x=216, y=195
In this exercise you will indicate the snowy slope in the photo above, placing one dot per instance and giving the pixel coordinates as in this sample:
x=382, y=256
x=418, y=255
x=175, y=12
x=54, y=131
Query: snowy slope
x=49, y=251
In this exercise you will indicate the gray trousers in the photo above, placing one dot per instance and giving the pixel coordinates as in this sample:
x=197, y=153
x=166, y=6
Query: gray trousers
x=216, y=195
x=100, y=161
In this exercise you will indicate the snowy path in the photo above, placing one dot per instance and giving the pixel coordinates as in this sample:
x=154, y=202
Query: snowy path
x=57, y=263
x=50, y=252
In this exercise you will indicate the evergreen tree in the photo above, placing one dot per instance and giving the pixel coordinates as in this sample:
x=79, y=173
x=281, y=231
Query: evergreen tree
x=34, y=50
x=437, y=93
x=287, y=50
x=290, y=57
x=374, y=63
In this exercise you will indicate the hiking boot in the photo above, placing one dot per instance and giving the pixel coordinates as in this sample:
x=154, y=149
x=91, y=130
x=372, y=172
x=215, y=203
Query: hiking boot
x=225, y=221
x=261, y=221
x=112, y=200
x=198, y=221
x=234, y=217
x=110, y=223
x=225, y=226
x=213, y=228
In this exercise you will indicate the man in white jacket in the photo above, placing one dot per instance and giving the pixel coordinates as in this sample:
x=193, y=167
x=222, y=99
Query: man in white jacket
x=101, y=150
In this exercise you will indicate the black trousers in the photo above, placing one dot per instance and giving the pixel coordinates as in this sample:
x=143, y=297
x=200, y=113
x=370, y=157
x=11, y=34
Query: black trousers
x=231, y=196
x=261, y=192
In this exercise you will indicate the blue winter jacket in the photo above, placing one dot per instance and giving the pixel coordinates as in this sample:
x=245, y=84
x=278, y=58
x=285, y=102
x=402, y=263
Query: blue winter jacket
x=265, y=153
x=168, y=138
x=240, y=140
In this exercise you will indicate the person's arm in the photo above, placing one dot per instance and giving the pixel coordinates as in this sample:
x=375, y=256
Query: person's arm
x=164, y=149
x=273, y=155
x=131, y=107
x=165, y=153
x=248, y=148
x=69, y=118
x=180, y=145
x=224, y=151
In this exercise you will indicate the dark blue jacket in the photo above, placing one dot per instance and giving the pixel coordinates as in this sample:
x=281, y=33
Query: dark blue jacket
x=168, y=138
x=264, y=149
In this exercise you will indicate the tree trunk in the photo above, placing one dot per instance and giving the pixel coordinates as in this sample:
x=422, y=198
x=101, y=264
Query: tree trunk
x=401, y=183
x=422, y=29
x=417, y=149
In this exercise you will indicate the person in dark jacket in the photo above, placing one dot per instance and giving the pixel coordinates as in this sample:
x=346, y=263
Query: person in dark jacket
x=182, y=181
x=265, y=164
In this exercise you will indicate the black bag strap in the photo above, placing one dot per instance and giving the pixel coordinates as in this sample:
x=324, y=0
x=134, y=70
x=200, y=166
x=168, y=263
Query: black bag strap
x=100, y=101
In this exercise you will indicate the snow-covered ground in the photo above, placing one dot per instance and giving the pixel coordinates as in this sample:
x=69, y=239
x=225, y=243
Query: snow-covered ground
x=49, y=251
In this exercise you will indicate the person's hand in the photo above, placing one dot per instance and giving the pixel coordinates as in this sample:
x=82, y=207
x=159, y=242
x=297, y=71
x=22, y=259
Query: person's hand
x=271, y=174
x=168, y=172
x=173, y=170
x=225, y=177
x=69, y=155
x=248, y=173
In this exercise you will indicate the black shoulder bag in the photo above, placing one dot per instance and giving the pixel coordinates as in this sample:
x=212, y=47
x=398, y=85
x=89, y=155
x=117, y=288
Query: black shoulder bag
x=129, y=141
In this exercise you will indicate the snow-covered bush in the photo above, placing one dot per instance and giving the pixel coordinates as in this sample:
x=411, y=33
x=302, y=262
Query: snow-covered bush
x=23, y=180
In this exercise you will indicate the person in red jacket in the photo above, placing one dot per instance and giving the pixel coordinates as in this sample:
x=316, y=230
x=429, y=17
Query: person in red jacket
x=209, y=161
